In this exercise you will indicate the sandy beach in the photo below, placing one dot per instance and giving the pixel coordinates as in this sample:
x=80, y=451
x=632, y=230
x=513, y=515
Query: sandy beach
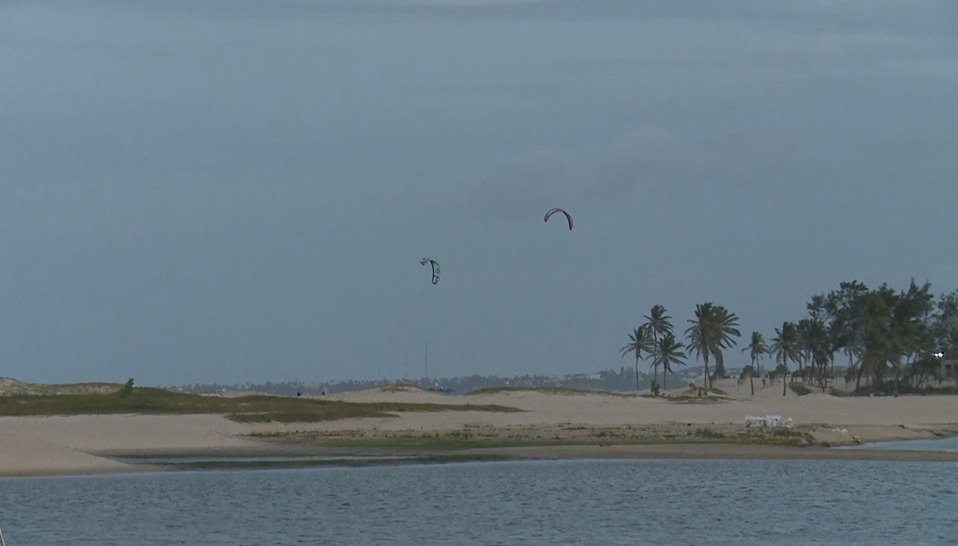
x=574, y=425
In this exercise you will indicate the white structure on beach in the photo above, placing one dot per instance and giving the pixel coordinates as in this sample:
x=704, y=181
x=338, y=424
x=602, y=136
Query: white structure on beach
x=767, y=421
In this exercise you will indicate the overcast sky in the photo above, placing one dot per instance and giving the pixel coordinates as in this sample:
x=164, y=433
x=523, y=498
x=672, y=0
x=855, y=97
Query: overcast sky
x=242, y=190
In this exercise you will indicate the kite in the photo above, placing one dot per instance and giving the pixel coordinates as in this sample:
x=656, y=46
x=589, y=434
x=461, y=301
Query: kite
x=555, y=210
x=435, y=269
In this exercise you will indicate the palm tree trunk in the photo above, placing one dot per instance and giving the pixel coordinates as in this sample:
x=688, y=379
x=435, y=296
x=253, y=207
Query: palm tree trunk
x=707, y=379
x=655, y=350
x=831, y=365
x=858, y=377
x=636, y=374
x=897, y=374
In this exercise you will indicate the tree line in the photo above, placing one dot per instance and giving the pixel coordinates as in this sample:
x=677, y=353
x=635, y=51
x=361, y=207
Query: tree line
x=890, y=338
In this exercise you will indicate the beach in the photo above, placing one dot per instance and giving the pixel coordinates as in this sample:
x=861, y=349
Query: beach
x=549, y=425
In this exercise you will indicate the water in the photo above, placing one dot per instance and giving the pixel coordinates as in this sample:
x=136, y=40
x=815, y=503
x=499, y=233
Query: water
x=937, y=444
x=542, y=502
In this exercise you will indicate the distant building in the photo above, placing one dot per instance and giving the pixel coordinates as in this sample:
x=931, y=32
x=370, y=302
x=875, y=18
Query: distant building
x=949, y=367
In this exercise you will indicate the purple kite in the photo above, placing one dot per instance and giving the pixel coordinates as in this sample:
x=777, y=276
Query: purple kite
x=555, y=210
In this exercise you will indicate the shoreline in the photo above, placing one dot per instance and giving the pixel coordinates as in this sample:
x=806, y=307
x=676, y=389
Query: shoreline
x=243, y=461
x=267, y=455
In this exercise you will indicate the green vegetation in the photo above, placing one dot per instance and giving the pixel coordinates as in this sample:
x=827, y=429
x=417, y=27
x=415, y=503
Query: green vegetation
x=255, y=408
x=640, y=341
x=799, y=388
x=410, y=442
x=655, y=338
x=127, y=389
x=895, y=341
x=665, y=350
x=756, y=349
x=407, y=443
x=668, y=351
x=712, y=330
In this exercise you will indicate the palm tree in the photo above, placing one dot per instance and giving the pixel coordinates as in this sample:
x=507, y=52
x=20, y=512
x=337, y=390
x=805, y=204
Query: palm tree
x=821, y=313
x=782, y=370
x=659, y=324
x=818, y=307
x=803, y=344
x=813, y=341
x=785, y=343
x=701, y=334
x=785, y=348
x=841, y=305
x=668, y=352
x=726, y=325
x=910, y=318
x=945, y=319
x=639, y=341
x=756, y=349
x=711, y=331
x=750, y=373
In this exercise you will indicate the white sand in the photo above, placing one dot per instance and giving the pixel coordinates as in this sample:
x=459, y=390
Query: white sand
x=69, y=444
x=604, y=410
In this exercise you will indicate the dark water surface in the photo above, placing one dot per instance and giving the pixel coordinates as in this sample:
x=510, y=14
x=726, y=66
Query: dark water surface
x=532, y=502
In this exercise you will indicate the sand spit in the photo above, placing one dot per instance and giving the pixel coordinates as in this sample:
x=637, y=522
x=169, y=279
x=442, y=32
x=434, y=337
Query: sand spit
x=87, y=443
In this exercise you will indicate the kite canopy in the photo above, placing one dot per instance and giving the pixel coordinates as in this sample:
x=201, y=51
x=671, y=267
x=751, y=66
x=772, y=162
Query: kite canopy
x=435, y=268
x=552, y=211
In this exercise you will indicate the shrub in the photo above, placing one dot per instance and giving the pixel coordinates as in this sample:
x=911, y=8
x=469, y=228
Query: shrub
x=799, y=388
x=127, y=389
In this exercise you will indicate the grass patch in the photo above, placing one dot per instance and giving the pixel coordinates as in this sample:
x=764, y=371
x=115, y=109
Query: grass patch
x=245, y=409
x=708, y=434
x=412, y=442
x=416, y=444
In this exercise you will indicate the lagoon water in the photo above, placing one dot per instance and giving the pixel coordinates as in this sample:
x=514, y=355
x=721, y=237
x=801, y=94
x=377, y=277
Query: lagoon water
x=736, y=502
x=937, y=444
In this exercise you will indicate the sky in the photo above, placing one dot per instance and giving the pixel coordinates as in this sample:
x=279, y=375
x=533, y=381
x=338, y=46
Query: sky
x=242, y=190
